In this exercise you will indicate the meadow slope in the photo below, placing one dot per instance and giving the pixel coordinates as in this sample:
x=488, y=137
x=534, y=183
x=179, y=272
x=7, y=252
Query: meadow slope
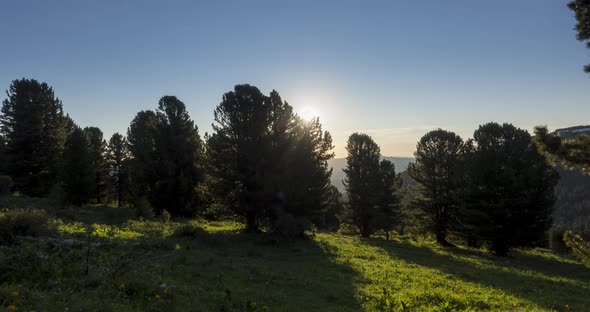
x=98, y=259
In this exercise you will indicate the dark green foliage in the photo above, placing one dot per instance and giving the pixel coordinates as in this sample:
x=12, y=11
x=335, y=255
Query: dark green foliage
x=117, y=158
x=32, y=124
x=510, y=189
x=26, y=222
x=180, y=152
x=245, y=152
x=388, y=201
x=144, y=209
x=167, y=151
x=97, y=148
x=572, y=204
x=79, y=174
x=570, y=153
x=6, y=184
x=266, y=163
x=3, y=158
x=580, y=247
x=142, y=138
x=363, y=182
x=438, y=172
x=307, y=180
x=581, y=8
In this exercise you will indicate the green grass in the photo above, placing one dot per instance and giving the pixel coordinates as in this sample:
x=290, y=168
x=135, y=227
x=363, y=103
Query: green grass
x=193, y=265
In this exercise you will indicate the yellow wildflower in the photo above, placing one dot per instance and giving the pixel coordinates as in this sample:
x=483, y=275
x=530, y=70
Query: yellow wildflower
x=11, y=308
x=122, y=286
x=157, y=296
x=14, y=294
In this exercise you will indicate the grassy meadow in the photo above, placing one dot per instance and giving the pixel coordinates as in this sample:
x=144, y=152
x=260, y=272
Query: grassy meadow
x=100, y=258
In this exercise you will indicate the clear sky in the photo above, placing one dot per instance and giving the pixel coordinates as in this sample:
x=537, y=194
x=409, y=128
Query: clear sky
x=392, y=69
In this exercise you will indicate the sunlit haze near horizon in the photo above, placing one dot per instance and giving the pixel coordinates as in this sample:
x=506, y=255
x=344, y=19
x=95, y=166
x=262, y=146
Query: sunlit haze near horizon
x=391, y=69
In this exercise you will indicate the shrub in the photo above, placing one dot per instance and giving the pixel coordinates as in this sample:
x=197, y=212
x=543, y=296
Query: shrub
x=580, y=247
x=556, y=242
x=27, y=222
x=144, y=209
x=6, y=236
x=188, y=230
x=6, y=184
x=165, y=216
x=290, y=227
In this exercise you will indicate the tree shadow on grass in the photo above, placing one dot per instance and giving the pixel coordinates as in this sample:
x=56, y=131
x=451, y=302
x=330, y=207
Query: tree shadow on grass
x=200, y=270
x=544, y=281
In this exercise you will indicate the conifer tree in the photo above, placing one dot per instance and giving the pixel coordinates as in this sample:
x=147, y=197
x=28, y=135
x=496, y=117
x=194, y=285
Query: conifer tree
x=307, y=183
x=180, y=152
x=247, y=145
x=142, y=139
x=32, y=123
x=78, y=175
x=388, y=200
x=510, y=189
x=363, y=183
x=97, y=148
x=439, y=177
x=118, y=155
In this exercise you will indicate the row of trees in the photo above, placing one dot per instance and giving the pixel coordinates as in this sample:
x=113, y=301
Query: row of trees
x=261, y=162
x=267, y=165
x=495, y=188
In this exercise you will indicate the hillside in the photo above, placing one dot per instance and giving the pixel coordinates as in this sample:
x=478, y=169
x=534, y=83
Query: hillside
x=117, y=264
x=401, y=163
x=572, y=206
x=571, y=132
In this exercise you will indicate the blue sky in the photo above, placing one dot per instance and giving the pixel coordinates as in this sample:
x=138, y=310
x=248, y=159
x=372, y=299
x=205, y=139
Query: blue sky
x=392, y=69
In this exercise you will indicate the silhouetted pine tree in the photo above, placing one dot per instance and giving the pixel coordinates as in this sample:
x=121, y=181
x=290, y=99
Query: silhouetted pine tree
x=510, y=189
x=248, y=144
x=142, y=139
x=180, y=152
x=581, y=8
x=97, y=148
x=363, y=182
x=388, y=200
x=32, y=122
x=79, y=174
x=438, y=172
x=117, y=156
x=307, y=184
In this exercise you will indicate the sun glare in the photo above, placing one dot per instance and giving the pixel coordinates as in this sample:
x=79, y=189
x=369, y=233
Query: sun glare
x=309, y=112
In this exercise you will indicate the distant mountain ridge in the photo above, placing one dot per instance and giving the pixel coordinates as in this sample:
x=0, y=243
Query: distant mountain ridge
x=401, y=164
x=571, y=132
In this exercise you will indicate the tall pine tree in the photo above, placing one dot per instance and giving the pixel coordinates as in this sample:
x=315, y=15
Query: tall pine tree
x=78, y=174
x=439, y=176
x=363, y=182
x=510, y=189
x=117, y=157
x=97, y=148
x=247, y=143
x=388, y=200
x=32, y=123
x=180, y=152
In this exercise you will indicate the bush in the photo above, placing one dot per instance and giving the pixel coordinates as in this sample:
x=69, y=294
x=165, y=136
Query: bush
x=6, y=184
x=26, y=222
x=290, y=227
x=556, y=242
x=144, y=209
x=6, y=236
x=165, y=216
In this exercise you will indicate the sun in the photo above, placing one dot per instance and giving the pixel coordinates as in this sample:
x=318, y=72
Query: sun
x=309, y=112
